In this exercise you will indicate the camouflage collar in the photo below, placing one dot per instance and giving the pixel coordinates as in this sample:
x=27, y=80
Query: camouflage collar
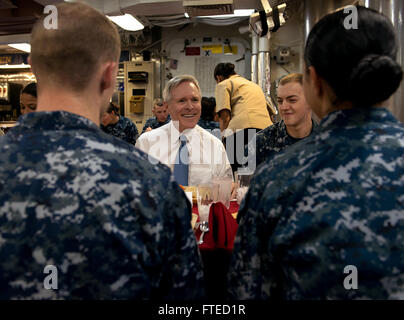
x=168, y=119
x=54, y=120
x=113, y=125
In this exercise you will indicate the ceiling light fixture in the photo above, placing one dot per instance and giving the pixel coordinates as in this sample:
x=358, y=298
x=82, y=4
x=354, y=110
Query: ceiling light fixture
x=21, y=46
x=237, y=13
x=127, y=22
x=15, y=66
x=243, y=12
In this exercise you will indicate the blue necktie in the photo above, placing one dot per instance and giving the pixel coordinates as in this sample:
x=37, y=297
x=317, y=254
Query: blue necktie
x=181, y=163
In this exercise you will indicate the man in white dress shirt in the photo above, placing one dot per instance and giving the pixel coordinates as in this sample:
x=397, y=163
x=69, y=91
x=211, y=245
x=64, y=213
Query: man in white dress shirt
x=202, y=155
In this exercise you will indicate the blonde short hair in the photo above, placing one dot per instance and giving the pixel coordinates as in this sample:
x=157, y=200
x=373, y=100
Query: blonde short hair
x=157, y=101
x=292, y=77
x=70, y=54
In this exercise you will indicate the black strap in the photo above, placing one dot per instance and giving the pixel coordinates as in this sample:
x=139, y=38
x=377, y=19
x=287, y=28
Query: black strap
x=264, y=23
x=275, y=18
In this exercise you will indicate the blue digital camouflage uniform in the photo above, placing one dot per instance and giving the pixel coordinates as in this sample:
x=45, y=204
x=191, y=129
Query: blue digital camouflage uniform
x=114, y=225
x=331, y=200
x=124, y=129
x=272, y=140
x=154, y=124
x=212, y=126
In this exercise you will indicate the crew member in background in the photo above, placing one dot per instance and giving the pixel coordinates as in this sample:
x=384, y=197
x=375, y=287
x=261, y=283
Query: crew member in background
x=28, y=98
x=296, y=123
x=119, y=126
x=207, y=120
x=161, y=116
x=242, y=109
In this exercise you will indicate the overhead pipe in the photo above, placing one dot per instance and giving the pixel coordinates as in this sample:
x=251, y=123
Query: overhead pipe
x=264, y=65
x=263, y=24
x=264, y=74
x=254, y=58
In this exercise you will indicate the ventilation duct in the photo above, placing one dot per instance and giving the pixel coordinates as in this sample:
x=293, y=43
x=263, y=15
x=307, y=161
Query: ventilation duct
x=195, y=8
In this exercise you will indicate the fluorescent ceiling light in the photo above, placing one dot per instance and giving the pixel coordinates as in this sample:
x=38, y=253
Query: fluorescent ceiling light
x=244, y=12
x=127, y=22
x=15, y=66
x=237, y=13
x=21, y=46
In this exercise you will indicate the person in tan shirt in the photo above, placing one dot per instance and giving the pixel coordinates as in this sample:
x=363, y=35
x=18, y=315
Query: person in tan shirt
x=242, y=109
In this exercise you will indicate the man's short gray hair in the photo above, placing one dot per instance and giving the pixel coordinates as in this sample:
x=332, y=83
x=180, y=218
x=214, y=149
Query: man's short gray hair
x=175, y=82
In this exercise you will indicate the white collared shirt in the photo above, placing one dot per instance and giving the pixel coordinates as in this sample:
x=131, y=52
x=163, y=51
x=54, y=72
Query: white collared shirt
x=207, y=155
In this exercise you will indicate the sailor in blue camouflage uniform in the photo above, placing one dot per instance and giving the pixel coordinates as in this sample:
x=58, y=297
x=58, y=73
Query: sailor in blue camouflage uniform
x=208, y=125
x=113, y=225
x=119, y=126
x=324, y=219
x=161, y=116
x=295, y=125
x=153, y=123
x=211, y=126
x=207, y=119
x=272, y=140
